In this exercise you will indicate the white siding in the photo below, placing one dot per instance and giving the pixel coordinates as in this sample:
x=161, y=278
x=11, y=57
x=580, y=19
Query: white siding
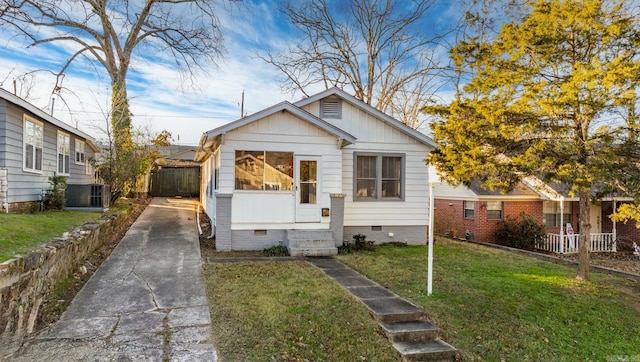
x=285, y=133
x=375, y=135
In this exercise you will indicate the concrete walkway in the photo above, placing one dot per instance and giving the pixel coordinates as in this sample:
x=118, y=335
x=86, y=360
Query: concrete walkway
x=146, y=302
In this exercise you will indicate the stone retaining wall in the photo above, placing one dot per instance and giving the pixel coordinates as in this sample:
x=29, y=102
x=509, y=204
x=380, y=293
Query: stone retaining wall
x=26, y=282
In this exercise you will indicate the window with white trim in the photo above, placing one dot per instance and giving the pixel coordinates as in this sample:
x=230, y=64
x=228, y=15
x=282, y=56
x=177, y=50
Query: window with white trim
x=551, y=212
x=331, y=108
x=494, y=210
x=469, y=209
x=80, y=153
x=378, y=176
x=32, y=144
x=64, y=153
x=264, y=170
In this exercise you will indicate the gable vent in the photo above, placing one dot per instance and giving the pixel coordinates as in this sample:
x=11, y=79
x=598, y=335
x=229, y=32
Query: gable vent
x=331, y=108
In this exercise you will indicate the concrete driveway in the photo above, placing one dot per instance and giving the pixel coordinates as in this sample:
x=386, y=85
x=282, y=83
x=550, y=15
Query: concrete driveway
x=146, y=302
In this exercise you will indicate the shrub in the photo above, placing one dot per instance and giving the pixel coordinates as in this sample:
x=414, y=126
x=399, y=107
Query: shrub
x=359, y=243
x=276, y=250
x=55, y=198
x=523, y=232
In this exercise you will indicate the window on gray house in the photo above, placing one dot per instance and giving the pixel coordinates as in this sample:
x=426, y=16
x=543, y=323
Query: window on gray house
x=32, y=145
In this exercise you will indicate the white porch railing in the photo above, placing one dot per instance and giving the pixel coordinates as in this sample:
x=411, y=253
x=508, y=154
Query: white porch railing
x=603, y=242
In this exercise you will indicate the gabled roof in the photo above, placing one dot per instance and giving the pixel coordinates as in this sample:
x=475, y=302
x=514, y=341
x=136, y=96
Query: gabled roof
x=11, y=98
x=210, y=138
x=369, y=109
x=519, y=190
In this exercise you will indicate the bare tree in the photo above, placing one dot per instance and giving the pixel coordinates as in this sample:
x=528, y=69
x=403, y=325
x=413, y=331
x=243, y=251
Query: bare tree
x=111, y=32
x=385, y=50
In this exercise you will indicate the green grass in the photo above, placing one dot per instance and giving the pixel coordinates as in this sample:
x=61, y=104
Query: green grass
x=20, y=233
x=288, y=311
x=494, y=305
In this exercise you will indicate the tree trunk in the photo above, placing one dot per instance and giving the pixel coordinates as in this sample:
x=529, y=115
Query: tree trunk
x=120, y=115
x=584, y=241
x=123, y=174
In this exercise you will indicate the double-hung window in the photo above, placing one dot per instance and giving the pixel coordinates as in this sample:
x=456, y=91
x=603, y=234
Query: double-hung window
x=64, y=153
x=551, y=212
x=378, y=176
x=32, y=145
x=79, y=152
x=494, y=210
x=469, y=209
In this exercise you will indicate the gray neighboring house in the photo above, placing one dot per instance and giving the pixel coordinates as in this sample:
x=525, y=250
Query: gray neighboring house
x=35, y=146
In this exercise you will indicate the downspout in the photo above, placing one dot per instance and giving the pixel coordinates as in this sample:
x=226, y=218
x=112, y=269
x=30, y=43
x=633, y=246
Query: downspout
x=213, y=229
x=198, y=220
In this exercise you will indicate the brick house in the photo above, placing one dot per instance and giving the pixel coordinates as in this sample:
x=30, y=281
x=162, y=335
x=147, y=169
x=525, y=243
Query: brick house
x=472, y=212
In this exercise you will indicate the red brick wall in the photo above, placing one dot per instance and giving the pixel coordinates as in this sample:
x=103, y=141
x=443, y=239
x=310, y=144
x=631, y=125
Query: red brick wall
x=627, y=231
x=449, y=215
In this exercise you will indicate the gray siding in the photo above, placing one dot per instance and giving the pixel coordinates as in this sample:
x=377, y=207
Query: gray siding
x=250, y=240
x=27, y=186
x=412, y=235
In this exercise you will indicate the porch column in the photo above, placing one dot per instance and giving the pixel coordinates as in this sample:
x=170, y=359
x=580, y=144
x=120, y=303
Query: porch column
x=614, y=232
x=337, y=218
x=561, y=224
x=223, y=222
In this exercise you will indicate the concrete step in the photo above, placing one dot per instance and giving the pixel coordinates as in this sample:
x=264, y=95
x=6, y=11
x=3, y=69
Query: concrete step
x=386, y=310
x=311, y=234
x=305, y=243
x=313, y=251
x=410, y=331
x=435, y=350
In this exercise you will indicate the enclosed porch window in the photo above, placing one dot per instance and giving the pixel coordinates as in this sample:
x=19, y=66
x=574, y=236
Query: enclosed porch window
x=264, y=170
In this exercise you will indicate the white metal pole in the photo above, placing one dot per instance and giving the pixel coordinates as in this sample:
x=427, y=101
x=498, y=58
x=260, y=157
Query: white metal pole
x=430, y=256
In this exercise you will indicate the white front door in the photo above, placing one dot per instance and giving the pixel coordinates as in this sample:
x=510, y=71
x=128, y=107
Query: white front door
x=307, y=188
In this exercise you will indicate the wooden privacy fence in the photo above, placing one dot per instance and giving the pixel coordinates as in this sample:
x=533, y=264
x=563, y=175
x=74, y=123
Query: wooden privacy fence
x=603, y=242
x=175, y=181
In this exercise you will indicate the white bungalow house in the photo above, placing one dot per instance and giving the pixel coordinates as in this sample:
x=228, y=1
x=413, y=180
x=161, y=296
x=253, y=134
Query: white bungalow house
x=312, y=174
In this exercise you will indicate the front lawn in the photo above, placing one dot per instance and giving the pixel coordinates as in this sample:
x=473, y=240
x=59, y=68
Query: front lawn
x=20, y=233
x=288, y=311
x=495, y=305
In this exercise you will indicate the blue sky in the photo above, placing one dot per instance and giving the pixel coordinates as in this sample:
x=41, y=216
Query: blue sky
x=159, y=96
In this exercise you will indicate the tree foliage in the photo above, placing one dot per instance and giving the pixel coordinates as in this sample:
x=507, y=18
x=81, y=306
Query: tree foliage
x=386, y=51
x=552, y=93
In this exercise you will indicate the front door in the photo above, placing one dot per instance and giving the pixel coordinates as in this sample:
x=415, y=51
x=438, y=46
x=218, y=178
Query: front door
x=307, y=189
x=595, y=219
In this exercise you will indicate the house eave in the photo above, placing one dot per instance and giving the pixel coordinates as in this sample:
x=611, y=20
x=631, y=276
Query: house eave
x=211, y=139
x=39, y=113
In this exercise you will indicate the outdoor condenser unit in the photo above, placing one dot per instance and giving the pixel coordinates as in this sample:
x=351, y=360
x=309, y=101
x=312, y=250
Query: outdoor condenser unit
x=89, y=195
